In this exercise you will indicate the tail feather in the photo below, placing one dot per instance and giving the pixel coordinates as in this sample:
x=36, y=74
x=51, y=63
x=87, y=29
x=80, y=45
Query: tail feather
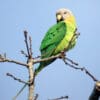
x=37, y=70
x=43, y=65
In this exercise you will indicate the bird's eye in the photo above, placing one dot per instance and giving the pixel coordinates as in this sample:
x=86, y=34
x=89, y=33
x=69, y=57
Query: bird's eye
x=65, y=12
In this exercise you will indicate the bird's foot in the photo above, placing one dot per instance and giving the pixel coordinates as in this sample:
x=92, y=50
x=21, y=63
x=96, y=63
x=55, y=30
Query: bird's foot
x=62, y=54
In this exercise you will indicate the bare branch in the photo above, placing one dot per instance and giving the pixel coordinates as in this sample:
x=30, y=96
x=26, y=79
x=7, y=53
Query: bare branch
x=22, y=52
x=26, y=42
x=30, y=41
x=17, y=79
x=71, y=63
x=60, y=98
x=76, y=66
x=46, y=59
x=30, y=66
x=70, y=60
x=4, y=59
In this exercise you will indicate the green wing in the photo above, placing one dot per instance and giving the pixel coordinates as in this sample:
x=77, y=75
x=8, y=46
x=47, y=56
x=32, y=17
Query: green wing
x=52, y=39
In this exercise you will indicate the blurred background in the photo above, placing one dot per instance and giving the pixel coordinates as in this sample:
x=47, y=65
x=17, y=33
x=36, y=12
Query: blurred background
x=37, y=16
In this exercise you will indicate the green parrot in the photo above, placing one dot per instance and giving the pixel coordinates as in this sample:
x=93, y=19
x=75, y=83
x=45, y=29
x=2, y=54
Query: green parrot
x=58, y=37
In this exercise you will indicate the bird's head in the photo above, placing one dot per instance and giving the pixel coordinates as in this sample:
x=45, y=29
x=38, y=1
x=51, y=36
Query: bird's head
x=64, y=15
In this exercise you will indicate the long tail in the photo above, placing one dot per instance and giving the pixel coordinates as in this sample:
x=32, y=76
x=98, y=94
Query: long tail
x=43, y=65
x=37, y=70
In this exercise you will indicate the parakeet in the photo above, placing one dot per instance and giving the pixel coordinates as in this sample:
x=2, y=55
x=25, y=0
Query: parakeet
x=58, y=37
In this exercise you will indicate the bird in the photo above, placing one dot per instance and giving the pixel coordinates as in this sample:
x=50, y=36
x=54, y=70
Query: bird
x=58, y=37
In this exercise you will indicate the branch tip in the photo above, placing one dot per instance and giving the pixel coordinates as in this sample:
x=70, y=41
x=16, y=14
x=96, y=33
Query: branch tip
x=25, y=33
x=17, y=79
x=23, y=52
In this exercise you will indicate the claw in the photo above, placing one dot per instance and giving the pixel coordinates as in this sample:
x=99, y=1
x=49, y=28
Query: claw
x=62, y=55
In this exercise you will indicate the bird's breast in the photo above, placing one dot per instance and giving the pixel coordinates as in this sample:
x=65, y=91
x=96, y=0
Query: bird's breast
x=67, y=43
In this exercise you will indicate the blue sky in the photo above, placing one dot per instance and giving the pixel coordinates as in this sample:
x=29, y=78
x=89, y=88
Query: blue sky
x=36, y=17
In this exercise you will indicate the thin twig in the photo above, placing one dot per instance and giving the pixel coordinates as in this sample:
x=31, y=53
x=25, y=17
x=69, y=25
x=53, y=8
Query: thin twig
x=71, y=65
x=60, y=98
x=26, y=42
x=76, y=66
x=70, y=60
x=30, y=66
x=46, y=59
x=17, y=79
x=23, y=52
x=3, y=59
x=30, y=49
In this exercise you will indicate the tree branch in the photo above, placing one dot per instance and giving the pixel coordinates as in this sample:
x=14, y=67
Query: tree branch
x=31, y=61
x=17, y=79
x=30, y=66
x=4, y=59
x=76, y=66
x=26, y=42
x=30, y=42
x=68, y=62
x=22, y=52
x=60, y=98
x=46, y=59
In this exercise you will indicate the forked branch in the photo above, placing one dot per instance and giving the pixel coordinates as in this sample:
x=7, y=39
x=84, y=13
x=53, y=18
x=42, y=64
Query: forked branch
x=31, y=61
